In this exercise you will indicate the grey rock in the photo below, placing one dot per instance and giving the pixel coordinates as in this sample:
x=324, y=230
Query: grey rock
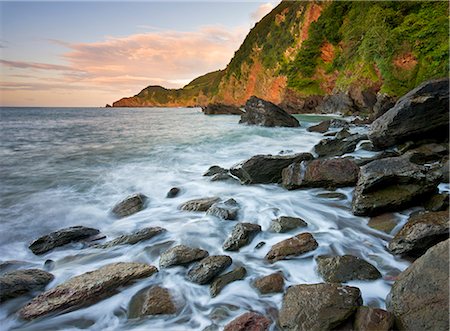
x=264, y=113
x=286, y=223
x=221, y=281
x=199, y=204
x=130, y=205
x=437, y=202
x=61, y=237
x=214, y=170
x=382, y=105
x=300, y=244
x=338, y=146
x=221, y=177
x=154, y=300
x=173, y=192
x=227, y=210
x=322, y=127
x=205, y=270
x=19, y=282
x=340, y=269
x=181, y=255
x=241, y=235
x=337, y=103
x=133, y=238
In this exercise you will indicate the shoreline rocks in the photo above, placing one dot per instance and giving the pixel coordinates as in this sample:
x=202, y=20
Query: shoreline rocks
x=373, y=319
x=20, y=282
x=300, y=244
x=221, y=281
x=273, y=283
x=202, y=204
x=133, y=238
x=227, y=210
x=265, y=113
x=205, y=270
x=241, y=235
x=181, y=255
x=341, y=269
x=154, y=300
x=249, y=321
x=130, y=205
x=285, y=223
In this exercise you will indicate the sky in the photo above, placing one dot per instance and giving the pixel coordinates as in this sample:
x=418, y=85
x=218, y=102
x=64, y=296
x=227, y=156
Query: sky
x=88, y=54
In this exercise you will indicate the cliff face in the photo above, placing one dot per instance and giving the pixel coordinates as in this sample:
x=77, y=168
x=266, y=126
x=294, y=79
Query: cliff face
x=303, y=53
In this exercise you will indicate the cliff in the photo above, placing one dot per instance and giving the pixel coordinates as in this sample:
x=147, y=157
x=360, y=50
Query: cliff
x=306, y=55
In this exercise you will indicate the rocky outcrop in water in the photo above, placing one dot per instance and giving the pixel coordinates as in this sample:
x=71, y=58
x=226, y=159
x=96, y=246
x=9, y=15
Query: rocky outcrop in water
x=338, y=146
x=85, y=289
x=214, y=170
x=221, y=281
x=227, y=210
x=19, y=282
x=373, y=319
x=265, y=169
x=133, y=238
x=330, y=173
x=422, y=113
x=221, y=109
x=60, y=238
x=265, y=113
x=181, y=255
x=241, y=235
x=341, y=269
x=205, y=270
x=419, y=298
x=130, y=205
x=173, y=192
x=199, y=204
x=285, y=223
x=300, y=244
x=422, y=231
x=437, y=202
x=249, y=322
x=316, y=307
x=273, y=283
x=155, y=300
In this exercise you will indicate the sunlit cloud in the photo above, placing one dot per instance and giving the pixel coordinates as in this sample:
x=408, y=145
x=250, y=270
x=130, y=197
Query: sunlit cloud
x=35, y=65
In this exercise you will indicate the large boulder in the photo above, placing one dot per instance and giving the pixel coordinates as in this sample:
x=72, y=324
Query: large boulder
x=338, y=146
x=85, y=289
x=205, y=270
x=422, y=231
x=419, y=298
x=391, y=184
x=382, y=105
x=155, y=300
x=265, y=169
x=221, y=109
x=18, y=282
x=248, y=322
x=317, y=307
x=221, y=281
x=337, y=103
x=340, y=269
x=300, y=244
x=60, y=238
x=422, y=113
x=264, y=113
x=181, y=255
x=241, y=235
x=133, y=238
x=330, y=173
x=202, y=204
x=130, y=205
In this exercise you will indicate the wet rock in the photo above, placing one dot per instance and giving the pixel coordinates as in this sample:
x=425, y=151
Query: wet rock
x=248, y=322
x=221, y=281
x=286, y=223
x=421, y=113
x=214, y=170
x=300, y=244
x=181, y=255
x=329, y=173
x=85, y=289
x=382, y=105
x=337, y=103
x=265, y=169
x=340, y=269
x=384, y=222
x=221, y=109
x=221, y=177
x=199, y=204
x=133, y=238
x=260, y=245
x=361, y=121
x=318, y=306
x=173, y=192
x=227, y=210
x=373, y=319
x=273, y=283
x=445, y=172
x=19, y=282
x=61, y=237
x=437, y=202
x=332, y=195
x=391, y=184
x=264, y=113
x=422, y=231
x=241, y=235
x=426, y=153
x=339, y=123
x=367, y=146
x=208, y=268
x=338, y=146
x=322, y=127
x=419, y=299
x=11, y=265
x=344, y=133
x=130, y=205
x=154, y=300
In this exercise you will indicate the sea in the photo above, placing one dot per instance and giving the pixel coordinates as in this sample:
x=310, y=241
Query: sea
x=61, y=167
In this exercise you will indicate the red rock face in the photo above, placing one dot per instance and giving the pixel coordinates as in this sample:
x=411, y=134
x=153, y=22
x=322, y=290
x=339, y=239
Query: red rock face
x=248, y=322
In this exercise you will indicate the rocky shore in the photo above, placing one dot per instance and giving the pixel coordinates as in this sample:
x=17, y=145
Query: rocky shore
x=411, y=144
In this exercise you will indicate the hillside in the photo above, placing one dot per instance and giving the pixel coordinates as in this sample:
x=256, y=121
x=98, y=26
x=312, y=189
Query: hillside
x=305, y=54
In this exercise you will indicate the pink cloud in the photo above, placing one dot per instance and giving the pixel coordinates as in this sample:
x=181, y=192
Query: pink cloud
x=34, y=65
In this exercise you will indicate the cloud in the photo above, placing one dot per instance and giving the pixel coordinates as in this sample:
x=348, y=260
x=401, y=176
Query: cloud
x=35, y=65
x=262, y=11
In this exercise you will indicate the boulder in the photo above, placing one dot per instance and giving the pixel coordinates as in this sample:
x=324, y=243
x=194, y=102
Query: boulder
x=249, y=322
x=341, y=269
x=85, y=289
x=421, y=113
x=338, y=146
x=221, y=109
x=130, y=205
x=419, y=298
x=445, y=172
x=343, y=133
x=173, y=192
x=329, y=173
x=223, y=280
x=318, y=307
x=133, y=238
x=208, y=268
x=264, y=113
x=199, y=204
x=437, y=202
x=382, y=105
x=154, y=300
x=60, y=238
x=322, y=127
x=19, y=282
x=422, y=231
x=384, y=222
x=265, y=169
x=286, y=223
x=273, y=283
x=241, y=235
x=391, y=184
x=181, y=255
x=373, y=319
x=214, y=170
x=300, y=244
x=227, y=210
x=337, y=103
